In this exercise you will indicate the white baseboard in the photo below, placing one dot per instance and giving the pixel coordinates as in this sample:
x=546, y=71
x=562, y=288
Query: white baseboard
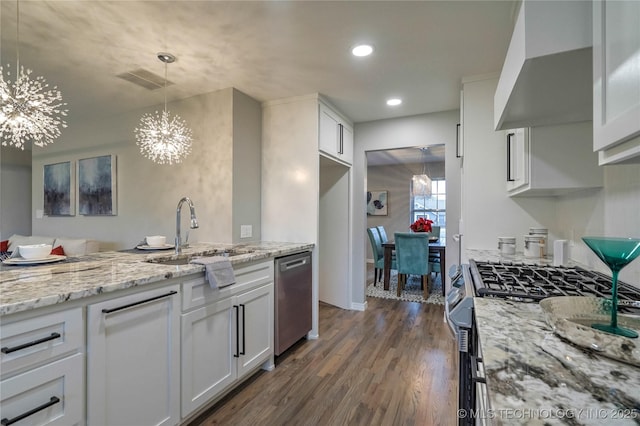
x=359, y=306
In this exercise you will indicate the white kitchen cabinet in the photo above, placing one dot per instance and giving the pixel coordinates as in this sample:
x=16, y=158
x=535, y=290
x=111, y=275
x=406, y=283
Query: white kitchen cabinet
x=545, y=78
x=551, y=160
x=335, y=135
x=517, y=159
x=133, y=364
x=208, y=348
x=228, y=335
x=52, y=394
x=255, y=308
x=42, y=365
x=616, y=81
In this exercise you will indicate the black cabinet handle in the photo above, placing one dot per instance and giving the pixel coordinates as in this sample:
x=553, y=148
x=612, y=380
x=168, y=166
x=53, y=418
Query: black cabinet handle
x=458, y=155
x=244, y=344
x=8, y=350
x=341, y=149
x=237, y=354
x=509, y=137
x=151, y=299
x=5, y=422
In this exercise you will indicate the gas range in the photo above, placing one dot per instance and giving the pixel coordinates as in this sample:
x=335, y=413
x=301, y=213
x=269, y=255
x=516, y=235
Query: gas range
x=532, y=283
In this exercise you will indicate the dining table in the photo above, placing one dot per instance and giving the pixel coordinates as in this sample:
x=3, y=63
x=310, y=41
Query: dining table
x=438, y=246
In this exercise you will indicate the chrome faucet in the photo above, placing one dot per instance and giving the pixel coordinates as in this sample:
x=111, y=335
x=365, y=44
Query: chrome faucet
x=193, y=224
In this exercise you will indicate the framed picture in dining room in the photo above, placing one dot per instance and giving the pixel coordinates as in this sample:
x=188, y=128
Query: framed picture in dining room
x=97, y=195
x=377, y=203
x=59, y=189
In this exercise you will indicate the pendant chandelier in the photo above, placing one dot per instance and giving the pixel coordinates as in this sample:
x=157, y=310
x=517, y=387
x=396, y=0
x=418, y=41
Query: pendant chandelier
x=163, y=138
x=29, y=109
x=421, y=184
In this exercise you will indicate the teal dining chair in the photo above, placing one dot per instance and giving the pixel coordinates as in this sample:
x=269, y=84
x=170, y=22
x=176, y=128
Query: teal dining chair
x=383, y=234
x=412, y=258
x=378, y=254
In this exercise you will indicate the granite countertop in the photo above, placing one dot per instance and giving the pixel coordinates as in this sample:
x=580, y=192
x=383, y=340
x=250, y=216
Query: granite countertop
x=29, y=287
x=535, y=377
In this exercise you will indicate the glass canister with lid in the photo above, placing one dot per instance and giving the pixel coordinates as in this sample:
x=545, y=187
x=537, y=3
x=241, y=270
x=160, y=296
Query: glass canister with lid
x=533, y=246
x=541, y=233
x=507, y=245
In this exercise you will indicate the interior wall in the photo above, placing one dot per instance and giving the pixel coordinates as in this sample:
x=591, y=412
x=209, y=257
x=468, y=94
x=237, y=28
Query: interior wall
x=15, y=184
x=612, y=211
x=396, y=180
x=334, y=234
x=487, y=210
x=247, y=166
x=419, y=130
x=148, y=193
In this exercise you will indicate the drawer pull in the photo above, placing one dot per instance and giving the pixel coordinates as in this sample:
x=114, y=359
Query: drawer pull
x=151, y=299
x=237, y=354
x=7, y=350
x=5, y=422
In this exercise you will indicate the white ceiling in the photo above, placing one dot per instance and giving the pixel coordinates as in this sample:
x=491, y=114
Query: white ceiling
x=267, y=49
x=412, y=155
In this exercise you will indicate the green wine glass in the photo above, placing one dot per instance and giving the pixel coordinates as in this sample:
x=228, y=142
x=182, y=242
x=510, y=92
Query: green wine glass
x=616, y=253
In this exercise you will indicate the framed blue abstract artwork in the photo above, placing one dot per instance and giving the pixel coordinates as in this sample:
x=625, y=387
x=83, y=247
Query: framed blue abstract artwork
x=97, y=195
x=59, y=189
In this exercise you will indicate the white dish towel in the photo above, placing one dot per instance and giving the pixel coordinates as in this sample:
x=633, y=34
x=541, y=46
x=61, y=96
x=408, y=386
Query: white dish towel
x=218, y=270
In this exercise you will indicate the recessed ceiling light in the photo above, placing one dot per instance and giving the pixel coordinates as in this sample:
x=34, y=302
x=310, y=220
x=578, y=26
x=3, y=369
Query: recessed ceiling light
x=362, y=50
x=394, y=102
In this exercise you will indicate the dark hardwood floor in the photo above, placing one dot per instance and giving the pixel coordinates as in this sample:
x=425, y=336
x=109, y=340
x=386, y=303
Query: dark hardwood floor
x=394, y=364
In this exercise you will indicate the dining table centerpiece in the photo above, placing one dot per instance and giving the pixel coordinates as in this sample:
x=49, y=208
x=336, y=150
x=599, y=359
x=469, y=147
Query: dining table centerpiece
x=421, y=225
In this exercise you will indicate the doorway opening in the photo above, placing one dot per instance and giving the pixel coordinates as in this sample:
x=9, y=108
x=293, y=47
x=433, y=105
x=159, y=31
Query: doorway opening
x=390, y=199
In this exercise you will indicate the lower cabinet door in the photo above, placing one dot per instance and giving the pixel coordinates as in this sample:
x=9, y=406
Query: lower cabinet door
x=208, y=349
x=49, y=395
x=255, y=308
x=133, y=359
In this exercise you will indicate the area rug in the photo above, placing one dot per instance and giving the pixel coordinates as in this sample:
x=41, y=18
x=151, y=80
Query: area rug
x=412, y=291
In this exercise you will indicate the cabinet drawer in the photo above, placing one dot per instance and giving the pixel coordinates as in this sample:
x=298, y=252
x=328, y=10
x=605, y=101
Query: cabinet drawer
x=36, y=340
x=197, y=292
x=48, y=395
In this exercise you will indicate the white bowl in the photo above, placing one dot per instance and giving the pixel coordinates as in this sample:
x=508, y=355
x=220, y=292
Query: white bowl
x=35, y=251
x=156, y=240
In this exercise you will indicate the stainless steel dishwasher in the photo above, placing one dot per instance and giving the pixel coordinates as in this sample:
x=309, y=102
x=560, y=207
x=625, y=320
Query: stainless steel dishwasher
x=293, y=299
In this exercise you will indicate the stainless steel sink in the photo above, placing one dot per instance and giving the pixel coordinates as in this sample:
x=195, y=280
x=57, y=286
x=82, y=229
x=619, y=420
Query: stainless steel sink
x=184, y=260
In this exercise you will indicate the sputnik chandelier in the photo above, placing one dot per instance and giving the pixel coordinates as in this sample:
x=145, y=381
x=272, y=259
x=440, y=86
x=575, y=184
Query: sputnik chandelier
x=29, y=110
x=162, y=138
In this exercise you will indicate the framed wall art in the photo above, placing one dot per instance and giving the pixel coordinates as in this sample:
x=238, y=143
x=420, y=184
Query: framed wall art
x=59, y=189
x=97, y=194
x=377, y=203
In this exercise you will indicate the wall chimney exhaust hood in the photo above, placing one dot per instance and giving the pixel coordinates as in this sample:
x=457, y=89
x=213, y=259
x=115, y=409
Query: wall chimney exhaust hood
x=547, y=74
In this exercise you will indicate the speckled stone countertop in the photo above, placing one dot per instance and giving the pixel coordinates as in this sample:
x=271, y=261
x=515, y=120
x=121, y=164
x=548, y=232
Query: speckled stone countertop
x=534, y=377
x=29, y=287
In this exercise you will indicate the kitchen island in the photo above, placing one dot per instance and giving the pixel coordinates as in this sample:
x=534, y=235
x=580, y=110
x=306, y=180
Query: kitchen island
x=134, y=337
x=535, y=377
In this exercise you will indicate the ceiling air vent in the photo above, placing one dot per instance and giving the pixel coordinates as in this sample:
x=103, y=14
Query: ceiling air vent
x=144, y=78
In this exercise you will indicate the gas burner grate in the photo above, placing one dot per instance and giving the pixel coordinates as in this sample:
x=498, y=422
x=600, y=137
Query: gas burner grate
x=532, y=283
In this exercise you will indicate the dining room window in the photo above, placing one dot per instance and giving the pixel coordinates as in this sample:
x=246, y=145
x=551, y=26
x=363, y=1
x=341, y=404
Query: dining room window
x=431, y=207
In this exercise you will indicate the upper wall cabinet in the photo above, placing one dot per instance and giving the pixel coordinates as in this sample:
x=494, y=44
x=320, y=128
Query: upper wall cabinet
x=336, y=135
x=551, y=160
x=616, y=81
x=546, y=77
